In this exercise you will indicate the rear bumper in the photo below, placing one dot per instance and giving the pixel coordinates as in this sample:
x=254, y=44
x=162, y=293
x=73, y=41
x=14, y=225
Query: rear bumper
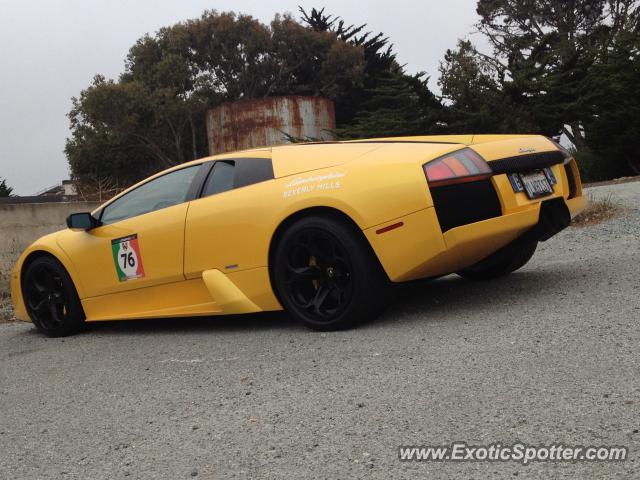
x=576, y=205
x=419, y=249
x=422, y=248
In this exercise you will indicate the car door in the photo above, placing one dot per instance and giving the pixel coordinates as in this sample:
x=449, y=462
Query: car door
x=223, y=230
x=140, y=242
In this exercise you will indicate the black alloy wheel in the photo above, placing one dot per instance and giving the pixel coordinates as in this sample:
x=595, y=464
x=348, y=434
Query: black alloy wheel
x=318, y=274
x=326, y=275
x=51, y=299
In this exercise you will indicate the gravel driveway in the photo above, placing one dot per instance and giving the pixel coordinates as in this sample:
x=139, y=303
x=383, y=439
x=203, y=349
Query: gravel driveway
x=549, y=354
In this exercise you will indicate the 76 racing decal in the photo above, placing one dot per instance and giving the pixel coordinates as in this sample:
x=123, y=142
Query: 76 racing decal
x=126, y=255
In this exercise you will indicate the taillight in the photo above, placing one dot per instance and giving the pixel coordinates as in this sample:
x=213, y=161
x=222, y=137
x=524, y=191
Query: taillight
x=457, y=167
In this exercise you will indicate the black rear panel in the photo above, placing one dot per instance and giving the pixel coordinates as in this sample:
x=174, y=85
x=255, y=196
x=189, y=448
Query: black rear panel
x=464, y=203
x=525, y=163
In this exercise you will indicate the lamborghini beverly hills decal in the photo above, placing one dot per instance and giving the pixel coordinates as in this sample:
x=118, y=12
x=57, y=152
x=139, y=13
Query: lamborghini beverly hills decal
x=127, y=257
x=300, y=185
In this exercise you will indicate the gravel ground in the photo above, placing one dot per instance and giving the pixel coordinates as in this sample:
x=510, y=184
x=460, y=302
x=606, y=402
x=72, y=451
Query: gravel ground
x=6, y=308
x=549, y=354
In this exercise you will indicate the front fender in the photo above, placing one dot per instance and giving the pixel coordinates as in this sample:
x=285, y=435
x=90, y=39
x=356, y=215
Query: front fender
x=46, y=245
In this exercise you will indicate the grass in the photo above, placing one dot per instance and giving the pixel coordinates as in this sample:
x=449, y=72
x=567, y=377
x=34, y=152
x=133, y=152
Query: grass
x=598, y=210
x=6, y=309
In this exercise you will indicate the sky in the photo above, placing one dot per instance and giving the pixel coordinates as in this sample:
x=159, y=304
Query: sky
x=51, y=49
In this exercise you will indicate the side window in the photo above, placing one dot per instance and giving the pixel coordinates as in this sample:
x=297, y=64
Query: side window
x=220, y=179
x=252, y=170
x=162, y=192
x=230, y=174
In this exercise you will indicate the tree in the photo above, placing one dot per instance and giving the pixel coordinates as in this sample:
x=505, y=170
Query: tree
x=540, y=50
x=556, y=66
x=126, y=130
x=387, y=101
x=612, y=94
x=313, y=62
x=391, y=108
x=475, y=100
x=153, y=116
x=5, y=190
x=541, y=55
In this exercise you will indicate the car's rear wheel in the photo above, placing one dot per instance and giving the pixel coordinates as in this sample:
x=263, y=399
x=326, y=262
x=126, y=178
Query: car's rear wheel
x=504, y=261
x=51, y=298
x=326, y=275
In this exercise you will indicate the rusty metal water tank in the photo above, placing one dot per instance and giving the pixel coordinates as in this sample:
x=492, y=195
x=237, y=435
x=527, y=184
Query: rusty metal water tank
x=265, y=121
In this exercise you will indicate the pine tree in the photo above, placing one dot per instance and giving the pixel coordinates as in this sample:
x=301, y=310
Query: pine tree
x=5, y=190
x=388, y=102
x=392, y=108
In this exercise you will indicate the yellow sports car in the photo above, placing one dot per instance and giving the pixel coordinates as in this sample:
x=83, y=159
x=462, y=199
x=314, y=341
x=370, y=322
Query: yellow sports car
x=320, y=230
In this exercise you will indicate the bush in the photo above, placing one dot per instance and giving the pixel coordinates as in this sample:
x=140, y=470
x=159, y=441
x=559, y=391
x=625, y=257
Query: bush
x=595, y=167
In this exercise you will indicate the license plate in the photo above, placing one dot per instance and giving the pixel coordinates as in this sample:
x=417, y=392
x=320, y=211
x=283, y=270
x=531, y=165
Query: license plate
x=536, y=184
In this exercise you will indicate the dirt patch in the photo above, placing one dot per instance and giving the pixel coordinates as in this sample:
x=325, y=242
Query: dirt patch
x=6, y=309
x=598, y=210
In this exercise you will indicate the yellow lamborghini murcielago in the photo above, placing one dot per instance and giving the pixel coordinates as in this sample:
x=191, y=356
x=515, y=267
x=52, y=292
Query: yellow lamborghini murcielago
x=320, y=230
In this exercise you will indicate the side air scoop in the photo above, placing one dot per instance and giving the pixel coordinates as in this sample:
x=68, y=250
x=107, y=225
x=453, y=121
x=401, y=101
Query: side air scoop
x=228, y=297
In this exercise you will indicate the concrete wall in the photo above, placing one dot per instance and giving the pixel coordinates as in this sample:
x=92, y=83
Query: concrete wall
x=21, y=224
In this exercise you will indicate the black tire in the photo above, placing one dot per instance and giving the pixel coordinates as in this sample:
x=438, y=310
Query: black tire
x=503, y=262
x=326, y=275
x=51, y=298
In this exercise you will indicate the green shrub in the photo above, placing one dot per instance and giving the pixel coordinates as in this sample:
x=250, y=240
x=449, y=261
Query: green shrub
x=595, y=167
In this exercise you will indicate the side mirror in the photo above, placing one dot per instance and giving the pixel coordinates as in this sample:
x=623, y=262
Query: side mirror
x=82, y=221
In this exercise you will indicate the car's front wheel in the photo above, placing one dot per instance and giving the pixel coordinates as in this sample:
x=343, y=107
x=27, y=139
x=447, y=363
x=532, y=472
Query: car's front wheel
x=51, y=298
x=326, y=275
